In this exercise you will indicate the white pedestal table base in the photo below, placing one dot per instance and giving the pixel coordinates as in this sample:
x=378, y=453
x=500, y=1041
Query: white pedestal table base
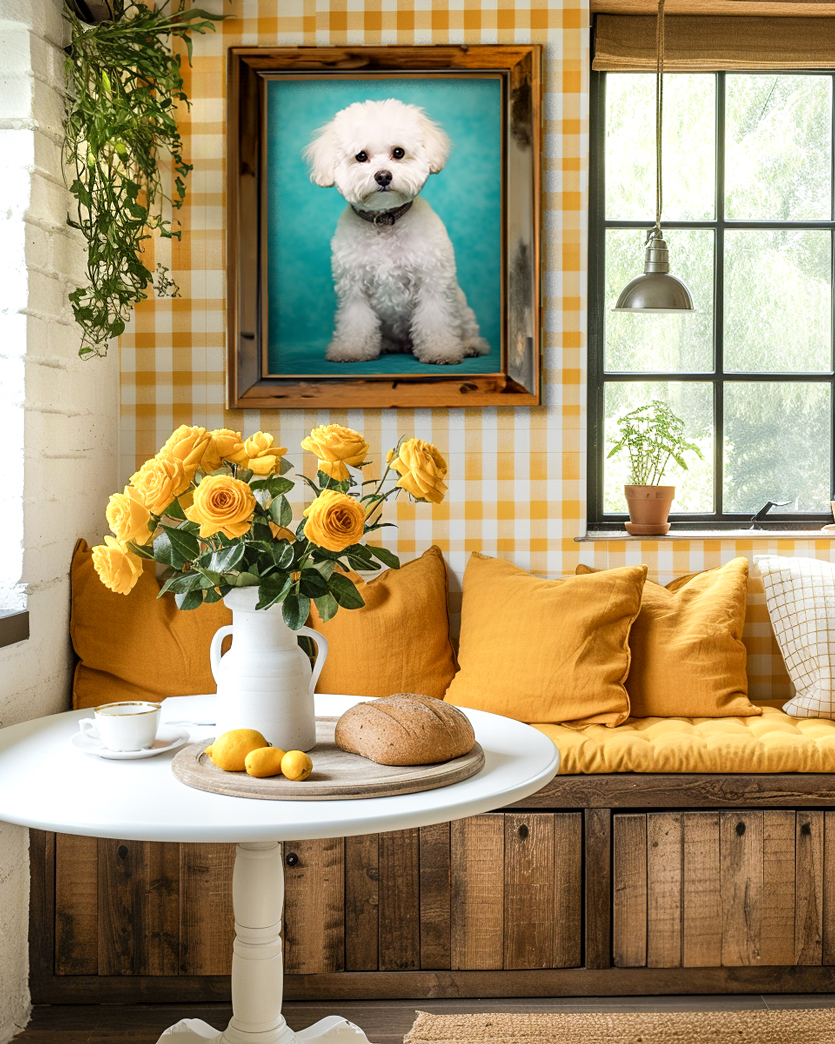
x=332, y=1030
x=258, y=965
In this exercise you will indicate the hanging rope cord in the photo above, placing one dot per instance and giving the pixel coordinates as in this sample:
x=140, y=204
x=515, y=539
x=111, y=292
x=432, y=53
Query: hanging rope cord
x=659, y=113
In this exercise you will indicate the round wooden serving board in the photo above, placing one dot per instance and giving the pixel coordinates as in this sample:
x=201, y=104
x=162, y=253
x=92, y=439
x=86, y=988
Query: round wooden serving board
x=336, y=774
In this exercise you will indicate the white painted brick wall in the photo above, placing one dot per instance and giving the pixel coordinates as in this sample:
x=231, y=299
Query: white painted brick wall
x=62, y=410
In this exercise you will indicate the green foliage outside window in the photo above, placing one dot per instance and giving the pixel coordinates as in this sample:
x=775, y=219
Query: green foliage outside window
x=777, y=301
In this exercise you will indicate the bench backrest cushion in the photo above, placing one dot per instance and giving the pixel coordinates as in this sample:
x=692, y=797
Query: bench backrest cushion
x=143, y=647
x=800, y=595
x=546, y=650
x=399, y=640
x=688, y=658
x=137, y=646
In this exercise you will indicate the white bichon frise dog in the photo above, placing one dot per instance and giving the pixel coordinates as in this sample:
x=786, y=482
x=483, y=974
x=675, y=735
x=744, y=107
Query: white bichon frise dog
x=393, y=262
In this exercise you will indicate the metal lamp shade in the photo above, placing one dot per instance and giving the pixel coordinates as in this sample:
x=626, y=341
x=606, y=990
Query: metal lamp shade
x=656, y=290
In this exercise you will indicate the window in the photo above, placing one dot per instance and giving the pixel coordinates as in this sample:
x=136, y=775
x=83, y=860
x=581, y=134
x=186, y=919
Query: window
x=749, y=220
x=17, y=231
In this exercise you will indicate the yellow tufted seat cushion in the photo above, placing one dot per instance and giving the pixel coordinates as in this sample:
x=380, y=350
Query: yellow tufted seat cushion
x=774, y=742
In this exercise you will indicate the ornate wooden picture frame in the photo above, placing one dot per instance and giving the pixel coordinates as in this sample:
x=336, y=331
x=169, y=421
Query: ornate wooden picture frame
x=327, y=318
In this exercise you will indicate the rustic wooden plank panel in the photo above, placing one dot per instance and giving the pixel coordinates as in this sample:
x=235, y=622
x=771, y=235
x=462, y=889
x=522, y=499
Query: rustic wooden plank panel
x=162, y=921
x=597, y=843
x=477, y=863
x=568, y=889
x=529, y=874
x=362, y=921
x=828, y=954
x=777, y=929
x=76, y=905
x=629, y=914
x=548, y=983
x=123, y=901
x=808, y=922
x=207, y=927
x=42, y=914
x=664, y=845
x=435, y=937
x=741, y=855
x=400, y=900
x=314, y=906
x=701, y=927
x=637, y=790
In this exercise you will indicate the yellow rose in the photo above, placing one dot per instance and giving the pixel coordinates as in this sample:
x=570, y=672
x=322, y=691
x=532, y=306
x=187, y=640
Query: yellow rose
x=422, y=470
x=282, y=533
x=188, y=445
x=222, y=504
x=335, y=447
x=128, y=517
x=224, y=444
x=262, y=455
x=159, y=481
x=118, y=568
x=334, y=520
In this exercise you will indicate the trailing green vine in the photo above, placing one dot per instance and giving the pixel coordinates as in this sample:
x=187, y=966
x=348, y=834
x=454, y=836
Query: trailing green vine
x=123, y=86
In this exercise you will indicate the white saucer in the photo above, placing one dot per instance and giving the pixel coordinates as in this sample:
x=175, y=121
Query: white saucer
x=168, y=738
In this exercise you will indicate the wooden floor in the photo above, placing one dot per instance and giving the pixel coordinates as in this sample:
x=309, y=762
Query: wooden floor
x=385, y=1022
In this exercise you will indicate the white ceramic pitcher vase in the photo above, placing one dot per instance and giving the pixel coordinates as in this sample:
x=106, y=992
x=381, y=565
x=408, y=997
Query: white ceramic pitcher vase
x=265, y=681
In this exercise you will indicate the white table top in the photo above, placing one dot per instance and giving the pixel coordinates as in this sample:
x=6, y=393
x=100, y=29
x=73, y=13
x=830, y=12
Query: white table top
x=47, y=783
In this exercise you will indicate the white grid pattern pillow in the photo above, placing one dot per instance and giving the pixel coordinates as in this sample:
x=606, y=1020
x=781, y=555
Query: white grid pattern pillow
x=800, y=595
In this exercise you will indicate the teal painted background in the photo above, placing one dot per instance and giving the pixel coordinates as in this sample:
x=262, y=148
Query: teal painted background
x=302, y=217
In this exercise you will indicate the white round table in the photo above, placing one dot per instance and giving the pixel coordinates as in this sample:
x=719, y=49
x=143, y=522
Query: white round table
x=47, y=783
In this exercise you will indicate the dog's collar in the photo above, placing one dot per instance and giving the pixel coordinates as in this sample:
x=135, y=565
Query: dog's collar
x=382, y=217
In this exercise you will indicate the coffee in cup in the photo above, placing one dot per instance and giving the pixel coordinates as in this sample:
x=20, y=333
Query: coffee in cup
x=131, y=725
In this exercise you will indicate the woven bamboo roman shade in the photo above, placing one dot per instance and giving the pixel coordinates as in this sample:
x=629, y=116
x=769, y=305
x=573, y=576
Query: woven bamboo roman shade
x=708, y=43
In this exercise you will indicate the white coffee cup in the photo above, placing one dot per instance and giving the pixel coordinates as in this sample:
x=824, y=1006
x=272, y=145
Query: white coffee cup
x=131, y=725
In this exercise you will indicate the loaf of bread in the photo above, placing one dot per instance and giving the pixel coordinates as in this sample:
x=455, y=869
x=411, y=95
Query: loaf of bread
x=405, y=729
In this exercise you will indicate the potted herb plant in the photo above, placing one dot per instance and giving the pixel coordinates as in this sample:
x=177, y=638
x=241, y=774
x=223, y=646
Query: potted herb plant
x=653, y=436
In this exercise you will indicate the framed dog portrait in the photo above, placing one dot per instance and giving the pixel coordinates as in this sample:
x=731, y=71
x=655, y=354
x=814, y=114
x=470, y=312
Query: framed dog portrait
x=383, y=227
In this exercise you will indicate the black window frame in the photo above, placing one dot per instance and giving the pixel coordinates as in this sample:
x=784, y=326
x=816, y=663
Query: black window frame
x=596, y=518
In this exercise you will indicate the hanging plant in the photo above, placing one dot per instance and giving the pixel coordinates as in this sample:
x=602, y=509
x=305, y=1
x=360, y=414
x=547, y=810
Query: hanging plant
x=123, y=86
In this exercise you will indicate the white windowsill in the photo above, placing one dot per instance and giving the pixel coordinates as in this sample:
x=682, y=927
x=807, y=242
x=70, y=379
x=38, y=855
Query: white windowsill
x=711, y=534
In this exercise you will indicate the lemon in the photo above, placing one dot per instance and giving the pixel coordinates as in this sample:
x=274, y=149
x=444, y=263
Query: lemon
x=265, y=761
x=296, y=765
x=229, y=751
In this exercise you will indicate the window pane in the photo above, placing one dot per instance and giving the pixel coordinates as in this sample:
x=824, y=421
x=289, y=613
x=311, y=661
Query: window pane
x=694, y=404
x=688, y=154
x=777, y=300
x=777, y=445
x=777, y=148
x=654, y=342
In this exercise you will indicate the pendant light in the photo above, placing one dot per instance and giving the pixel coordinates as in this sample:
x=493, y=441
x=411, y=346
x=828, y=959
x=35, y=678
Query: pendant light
x=656, y=290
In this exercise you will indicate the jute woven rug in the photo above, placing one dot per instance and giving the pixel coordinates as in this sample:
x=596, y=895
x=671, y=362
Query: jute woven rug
x=815, y=1026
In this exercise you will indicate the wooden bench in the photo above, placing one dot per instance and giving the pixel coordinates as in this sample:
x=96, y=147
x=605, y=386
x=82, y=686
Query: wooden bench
x=599, y=885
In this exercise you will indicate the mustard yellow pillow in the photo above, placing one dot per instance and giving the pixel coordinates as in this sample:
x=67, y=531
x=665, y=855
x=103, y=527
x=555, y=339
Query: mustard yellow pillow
x=137, y=646
x=546, y=650
x=399, y=640
x=688, y=659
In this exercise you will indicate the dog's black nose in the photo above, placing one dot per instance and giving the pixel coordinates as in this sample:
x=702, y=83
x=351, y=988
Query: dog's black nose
x=383, y=178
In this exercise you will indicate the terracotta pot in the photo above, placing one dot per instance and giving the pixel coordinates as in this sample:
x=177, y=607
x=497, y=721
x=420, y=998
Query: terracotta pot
x=648, y=509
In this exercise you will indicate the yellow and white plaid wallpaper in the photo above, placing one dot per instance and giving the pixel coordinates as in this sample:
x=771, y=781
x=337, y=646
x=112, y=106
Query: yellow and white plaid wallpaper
x=516, y=484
